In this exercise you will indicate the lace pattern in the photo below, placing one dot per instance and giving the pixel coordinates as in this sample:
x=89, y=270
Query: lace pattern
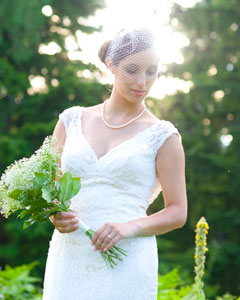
x=118, y=187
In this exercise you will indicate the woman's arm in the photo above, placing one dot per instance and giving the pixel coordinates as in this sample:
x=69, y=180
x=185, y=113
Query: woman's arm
x=63, y=221
x=170, y=167
x=60, y=134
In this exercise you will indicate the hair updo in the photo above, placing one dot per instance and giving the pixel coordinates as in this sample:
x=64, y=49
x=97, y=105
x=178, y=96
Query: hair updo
x=125, y=43
x=103, y=50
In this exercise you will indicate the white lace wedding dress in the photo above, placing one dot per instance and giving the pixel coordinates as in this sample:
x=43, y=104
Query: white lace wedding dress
x=117, y=187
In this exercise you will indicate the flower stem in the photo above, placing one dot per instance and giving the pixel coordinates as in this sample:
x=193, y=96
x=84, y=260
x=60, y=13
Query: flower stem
x=109, y=255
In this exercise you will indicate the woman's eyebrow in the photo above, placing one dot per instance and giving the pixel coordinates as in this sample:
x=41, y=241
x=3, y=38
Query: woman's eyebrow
x=132, y=65
x=135, y=65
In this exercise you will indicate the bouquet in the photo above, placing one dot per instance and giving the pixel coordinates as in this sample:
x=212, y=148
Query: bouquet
x=28, y=187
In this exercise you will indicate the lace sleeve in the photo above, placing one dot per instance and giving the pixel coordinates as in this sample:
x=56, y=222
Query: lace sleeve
x=68, y=116
x=161, y=132
x=159, y=135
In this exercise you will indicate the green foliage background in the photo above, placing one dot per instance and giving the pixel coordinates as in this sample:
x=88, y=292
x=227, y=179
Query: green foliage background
x=26, y=118
x=212, y=171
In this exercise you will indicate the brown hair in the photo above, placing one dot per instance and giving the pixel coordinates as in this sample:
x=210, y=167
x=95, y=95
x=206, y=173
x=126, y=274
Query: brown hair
x=103, y=50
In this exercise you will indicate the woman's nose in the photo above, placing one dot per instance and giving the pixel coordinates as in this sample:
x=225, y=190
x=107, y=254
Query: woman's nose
x=141, y=80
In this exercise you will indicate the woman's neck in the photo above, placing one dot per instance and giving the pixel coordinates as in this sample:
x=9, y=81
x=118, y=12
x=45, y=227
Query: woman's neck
x=120, y=108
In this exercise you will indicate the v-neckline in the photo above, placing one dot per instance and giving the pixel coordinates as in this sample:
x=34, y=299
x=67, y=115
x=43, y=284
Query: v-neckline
x=114, y=147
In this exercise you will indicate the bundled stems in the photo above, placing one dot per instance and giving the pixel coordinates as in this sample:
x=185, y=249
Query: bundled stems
x=109, y=255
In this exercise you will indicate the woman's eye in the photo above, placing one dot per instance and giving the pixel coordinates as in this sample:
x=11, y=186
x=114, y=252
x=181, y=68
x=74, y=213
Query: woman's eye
x=151, y=73
x=131, y=71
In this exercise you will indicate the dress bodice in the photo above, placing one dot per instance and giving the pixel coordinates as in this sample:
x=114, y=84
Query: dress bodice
x=124, y=180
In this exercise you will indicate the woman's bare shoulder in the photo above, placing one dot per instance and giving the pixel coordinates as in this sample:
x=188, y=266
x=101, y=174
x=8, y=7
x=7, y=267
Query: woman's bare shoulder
x=151, y=117
x=93, y=110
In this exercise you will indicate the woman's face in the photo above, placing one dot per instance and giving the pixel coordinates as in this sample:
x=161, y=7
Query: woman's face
x=136, y=74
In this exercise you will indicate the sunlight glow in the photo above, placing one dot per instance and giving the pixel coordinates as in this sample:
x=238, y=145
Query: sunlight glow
x=38, y=84
x=226, y=140
x=234, y=27
x=3, y=92
x=55, y=19
x=212, y=70
x=218, y=95
x=47, y=10
x=206, y=122
x=169, y=86
x=230, y=117
x=186, y=3
x=119, y=14
x=70, y=43
x=151, y=13
x=51, y=49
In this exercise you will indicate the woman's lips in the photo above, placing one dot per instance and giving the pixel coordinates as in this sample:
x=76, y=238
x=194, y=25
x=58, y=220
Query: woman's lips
x=138, y=93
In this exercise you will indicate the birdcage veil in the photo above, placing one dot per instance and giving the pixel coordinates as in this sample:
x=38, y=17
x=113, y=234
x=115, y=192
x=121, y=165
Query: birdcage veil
x=129, y=41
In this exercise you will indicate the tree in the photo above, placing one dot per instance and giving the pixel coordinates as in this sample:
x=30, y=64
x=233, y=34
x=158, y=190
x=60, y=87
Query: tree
x=208, y=118
x=27, y=115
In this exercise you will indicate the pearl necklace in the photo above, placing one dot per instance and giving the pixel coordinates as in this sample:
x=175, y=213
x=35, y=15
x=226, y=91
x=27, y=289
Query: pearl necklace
x=123, y=125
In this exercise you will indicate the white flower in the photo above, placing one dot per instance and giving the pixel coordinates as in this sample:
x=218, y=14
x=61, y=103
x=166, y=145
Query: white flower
x=20, y=174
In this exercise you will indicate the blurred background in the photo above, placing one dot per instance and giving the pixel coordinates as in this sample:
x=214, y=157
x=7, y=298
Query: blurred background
x=49, y=62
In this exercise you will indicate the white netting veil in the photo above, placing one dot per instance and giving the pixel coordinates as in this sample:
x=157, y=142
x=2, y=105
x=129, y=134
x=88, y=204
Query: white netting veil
x=129, y=41
x=133, y=52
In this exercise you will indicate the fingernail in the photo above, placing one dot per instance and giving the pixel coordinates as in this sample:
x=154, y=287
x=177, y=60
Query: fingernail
x=105, y=249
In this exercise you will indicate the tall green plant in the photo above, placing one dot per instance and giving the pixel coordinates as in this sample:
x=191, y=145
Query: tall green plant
x=201, y=230
x=171, y=286
x=209, y=117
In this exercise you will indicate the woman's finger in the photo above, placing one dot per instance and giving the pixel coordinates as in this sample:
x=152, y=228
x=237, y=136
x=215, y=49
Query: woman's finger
x=74, y=212
x=67, y=229
x=64, y=215
x=106, y=241
x=102, y=239
x=97, y=234
x=66, y=222
x=51, y=218
x=111, y=243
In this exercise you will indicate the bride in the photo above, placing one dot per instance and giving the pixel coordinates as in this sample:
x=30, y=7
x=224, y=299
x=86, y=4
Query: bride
x=125, y=156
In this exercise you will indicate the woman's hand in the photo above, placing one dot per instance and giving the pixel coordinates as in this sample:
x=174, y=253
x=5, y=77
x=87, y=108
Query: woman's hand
x=117, y=232
x=65, y=221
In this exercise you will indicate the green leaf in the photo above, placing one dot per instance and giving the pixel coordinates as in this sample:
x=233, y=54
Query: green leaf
x=76, y=185
x=53, y=172
x=65, y=185
x=57, y=189
x=28, y=223
x=39, y=181
x=15, y=194
x=43, y=215
x=68, y=187
x=23, y=213
x=47, y=193
x=35, y=207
